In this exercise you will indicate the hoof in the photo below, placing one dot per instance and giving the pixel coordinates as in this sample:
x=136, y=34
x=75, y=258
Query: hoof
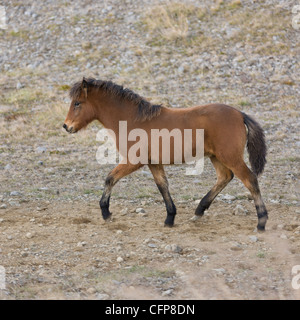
x=262, y=223
x=261, y=228
x=168, y=225
x=169, y=222
x=109, y=219
x=106, y=214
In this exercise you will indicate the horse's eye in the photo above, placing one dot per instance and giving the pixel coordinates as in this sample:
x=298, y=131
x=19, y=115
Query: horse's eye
x=76, y=104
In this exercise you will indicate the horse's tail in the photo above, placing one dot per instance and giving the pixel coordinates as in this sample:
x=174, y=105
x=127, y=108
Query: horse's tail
x=256, y=145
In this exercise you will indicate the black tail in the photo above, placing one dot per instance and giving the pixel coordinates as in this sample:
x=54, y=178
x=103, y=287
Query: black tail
x=256, y=145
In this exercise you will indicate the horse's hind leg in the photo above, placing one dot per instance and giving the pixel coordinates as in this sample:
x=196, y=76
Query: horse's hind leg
x=224, y=176
x=250, y=181
x=163, y=186
x=113, y=177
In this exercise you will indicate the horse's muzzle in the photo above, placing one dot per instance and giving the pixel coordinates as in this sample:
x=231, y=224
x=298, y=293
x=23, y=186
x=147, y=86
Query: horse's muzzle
x=70, y=130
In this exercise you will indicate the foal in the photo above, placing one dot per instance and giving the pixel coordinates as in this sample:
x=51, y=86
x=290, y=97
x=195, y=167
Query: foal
x=225, y=138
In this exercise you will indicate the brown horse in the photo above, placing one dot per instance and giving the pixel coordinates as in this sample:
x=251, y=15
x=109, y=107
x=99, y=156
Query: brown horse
x=226, y=133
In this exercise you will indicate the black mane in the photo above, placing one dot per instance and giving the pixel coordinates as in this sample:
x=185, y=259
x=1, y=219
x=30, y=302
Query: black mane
x=146, y=110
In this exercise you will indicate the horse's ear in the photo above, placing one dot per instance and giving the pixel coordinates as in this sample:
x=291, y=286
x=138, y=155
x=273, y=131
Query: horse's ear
x=84, y=86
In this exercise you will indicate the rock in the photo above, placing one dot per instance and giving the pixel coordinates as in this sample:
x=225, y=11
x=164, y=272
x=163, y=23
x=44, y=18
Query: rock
x=240, y=211
x=124, y=211
x=220, y=270
x=152, y=245
x=283, y=236
x=40, y=149
x=228, y=197
x=173, y=248
x=19, y=85
x=183, y=68
x=86, y=45
x=140, y=210
x=167, y=292
x=81, y=244
x=253, y=238
x=7, y=167
x=3, y=206
x=14, y=203
x=91, y=290
x=102, y=296
x=29, y=235
x=15, y=193
x=120, y=259
x=77, y=30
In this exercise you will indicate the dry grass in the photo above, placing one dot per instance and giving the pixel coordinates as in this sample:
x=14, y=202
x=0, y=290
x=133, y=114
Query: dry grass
x=171, y=21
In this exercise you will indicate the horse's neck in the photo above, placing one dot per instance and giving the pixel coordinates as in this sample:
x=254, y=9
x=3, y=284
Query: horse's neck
x=110, y=112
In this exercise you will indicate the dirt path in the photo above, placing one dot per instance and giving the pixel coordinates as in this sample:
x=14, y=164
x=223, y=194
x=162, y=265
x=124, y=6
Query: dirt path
x=67, y=251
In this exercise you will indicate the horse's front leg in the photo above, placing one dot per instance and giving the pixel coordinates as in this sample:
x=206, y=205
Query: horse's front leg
x=113, y=177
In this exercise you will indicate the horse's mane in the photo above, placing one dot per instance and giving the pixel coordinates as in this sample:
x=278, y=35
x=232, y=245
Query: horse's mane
x=146, y=110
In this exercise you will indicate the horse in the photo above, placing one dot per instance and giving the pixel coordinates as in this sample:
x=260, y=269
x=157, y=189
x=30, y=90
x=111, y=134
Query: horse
x=227, y=131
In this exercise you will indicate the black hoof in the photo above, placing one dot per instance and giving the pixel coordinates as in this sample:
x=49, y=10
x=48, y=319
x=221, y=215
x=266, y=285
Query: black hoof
x=168, y=225
x=261, y=228
x=106, y=214
x=200, y=211
x=169, y=222
x=262, y=222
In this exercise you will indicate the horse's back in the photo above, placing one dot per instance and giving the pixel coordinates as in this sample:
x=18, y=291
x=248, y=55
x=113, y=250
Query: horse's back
x=224, y=129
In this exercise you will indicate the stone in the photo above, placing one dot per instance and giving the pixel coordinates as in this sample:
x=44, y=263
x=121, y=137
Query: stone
x=86, y=45
x=167, y=292
x=253, y=238
x=228, y=197
x=102, y=296
x=173, y=248
x=120, y=259
x=7, y=167
x=40, y=149
x=15, y=193
x=219, y=270
x=91, y=290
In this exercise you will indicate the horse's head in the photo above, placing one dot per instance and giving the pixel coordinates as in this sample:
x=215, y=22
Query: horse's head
x=81, y=111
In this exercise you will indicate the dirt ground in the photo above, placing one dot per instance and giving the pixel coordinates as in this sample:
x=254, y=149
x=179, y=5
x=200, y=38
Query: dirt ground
x=53, y=241
x=64, y=250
